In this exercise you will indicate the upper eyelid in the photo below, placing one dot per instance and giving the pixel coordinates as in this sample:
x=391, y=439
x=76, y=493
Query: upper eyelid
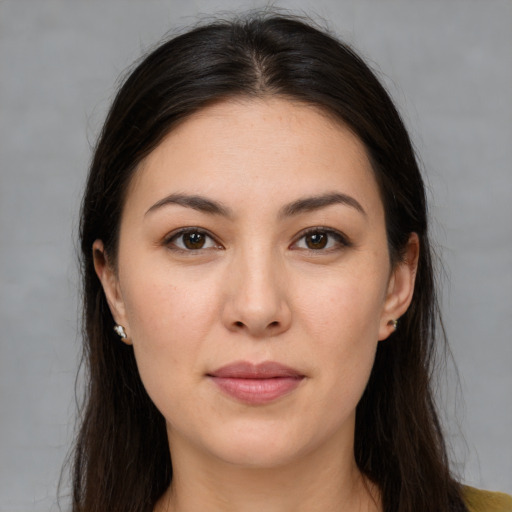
x=330, y=231
x=167, y=239
x=188, y=229
x=313, y=229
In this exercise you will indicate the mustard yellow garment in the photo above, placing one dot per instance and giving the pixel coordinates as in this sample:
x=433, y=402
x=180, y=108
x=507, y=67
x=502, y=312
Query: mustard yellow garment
x=486, y=501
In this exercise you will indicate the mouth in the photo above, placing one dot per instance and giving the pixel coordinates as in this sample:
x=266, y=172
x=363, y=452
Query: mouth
x=256, y=384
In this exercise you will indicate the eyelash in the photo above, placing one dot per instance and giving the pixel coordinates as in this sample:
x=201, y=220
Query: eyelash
x=338, y=239
x=170, y=241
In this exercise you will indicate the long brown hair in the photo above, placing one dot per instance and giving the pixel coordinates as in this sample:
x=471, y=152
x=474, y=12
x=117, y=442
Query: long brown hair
x=122, y=461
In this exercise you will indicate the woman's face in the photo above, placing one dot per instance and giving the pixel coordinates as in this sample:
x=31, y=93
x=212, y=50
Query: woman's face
x=254, y=281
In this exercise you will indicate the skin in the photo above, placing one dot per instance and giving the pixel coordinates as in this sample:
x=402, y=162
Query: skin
x=258, y=290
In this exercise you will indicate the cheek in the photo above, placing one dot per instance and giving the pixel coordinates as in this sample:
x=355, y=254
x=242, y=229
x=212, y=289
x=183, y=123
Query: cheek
x=343, y=319
x=343, y=307
x=164, y=305
x=168, y=319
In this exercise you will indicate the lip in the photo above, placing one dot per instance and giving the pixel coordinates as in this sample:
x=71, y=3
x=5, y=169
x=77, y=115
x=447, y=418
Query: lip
x=256, y=383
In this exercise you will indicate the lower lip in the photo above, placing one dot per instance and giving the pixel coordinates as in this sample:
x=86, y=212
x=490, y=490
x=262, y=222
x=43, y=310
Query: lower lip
x=257, y=391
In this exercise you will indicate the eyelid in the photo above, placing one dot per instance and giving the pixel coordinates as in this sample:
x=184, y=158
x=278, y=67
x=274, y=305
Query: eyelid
x=341, y=239
x=168, y=239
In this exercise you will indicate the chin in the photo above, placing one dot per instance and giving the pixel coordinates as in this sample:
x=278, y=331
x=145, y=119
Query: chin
x=259, y=446
x=259, y=456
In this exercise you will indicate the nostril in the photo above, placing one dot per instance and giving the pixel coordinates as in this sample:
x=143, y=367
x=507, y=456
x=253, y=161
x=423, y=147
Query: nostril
x=239, y=324
x=273, y=324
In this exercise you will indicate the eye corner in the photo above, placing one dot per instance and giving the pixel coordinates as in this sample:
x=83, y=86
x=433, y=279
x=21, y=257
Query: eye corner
x=325, y=240
x=191, y=240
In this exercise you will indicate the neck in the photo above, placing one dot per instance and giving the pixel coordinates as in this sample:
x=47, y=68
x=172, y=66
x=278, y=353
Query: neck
x=316, y=482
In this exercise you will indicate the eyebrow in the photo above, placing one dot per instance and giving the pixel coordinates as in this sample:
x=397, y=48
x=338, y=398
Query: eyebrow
x=195, y=202
x=308, y=204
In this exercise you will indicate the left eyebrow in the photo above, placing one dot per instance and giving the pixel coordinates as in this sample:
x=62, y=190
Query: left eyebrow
x=308, y=204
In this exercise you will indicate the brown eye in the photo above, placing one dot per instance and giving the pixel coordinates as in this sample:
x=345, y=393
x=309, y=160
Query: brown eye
x=194, y=240
x=316, y=240
x=321, y=239
x=191, y=239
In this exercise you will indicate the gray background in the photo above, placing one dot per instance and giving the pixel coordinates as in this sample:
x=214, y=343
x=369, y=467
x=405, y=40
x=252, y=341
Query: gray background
x=448, y=64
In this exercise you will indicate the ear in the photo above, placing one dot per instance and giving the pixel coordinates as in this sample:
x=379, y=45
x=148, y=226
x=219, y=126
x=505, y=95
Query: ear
x=110, y=283
x=400, y=287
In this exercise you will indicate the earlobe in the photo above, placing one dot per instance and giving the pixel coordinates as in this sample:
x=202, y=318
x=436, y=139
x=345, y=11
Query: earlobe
x=400, y=288
x=110, y=283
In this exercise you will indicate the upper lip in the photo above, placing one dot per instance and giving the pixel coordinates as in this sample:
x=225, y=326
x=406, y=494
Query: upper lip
x=247, y=370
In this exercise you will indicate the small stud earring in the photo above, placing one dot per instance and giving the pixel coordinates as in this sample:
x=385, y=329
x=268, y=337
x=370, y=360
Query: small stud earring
x=394, y=324
x=119, y=329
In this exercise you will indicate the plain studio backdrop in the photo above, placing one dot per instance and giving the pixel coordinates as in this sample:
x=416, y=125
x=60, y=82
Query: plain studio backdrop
x=448, y=65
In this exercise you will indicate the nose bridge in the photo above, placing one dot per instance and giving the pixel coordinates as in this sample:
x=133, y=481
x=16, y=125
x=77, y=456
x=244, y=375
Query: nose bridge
x=259, y=287
x=258, y=301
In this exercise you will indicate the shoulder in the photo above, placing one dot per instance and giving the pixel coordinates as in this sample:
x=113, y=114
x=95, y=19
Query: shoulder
x=486, y=501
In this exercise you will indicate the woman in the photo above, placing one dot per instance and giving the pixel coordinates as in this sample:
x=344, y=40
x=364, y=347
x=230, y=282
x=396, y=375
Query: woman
x=259, y=298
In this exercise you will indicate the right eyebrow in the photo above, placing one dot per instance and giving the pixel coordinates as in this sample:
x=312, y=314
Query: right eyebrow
x=195, y=202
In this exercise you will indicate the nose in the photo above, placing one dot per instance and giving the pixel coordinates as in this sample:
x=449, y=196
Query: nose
x=257, y=301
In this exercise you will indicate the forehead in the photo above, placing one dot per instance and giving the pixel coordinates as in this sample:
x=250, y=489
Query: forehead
x=251, y=149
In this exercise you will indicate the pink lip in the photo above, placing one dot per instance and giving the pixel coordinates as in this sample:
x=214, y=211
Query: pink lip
x=256, y=383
